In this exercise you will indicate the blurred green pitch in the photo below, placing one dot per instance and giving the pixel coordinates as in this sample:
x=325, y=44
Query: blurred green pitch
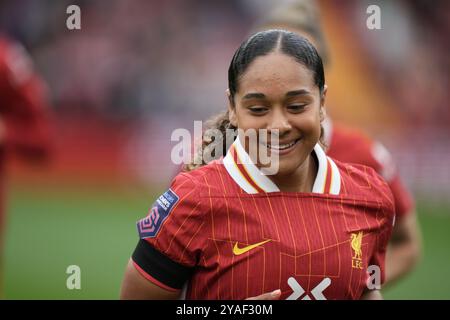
x=52, y=227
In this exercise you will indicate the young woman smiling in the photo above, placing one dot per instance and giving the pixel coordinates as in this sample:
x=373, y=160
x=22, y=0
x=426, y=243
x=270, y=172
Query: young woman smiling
x=228, y=231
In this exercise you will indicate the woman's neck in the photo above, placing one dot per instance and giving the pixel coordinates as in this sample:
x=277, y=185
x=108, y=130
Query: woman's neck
x=302, y=180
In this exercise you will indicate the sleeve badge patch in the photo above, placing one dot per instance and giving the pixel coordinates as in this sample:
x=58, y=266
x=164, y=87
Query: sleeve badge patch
x=149, y=226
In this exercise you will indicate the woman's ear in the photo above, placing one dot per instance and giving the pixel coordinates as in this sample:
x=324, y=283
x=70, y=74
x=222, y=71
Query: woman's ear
x=231, y=109
x=323, y=111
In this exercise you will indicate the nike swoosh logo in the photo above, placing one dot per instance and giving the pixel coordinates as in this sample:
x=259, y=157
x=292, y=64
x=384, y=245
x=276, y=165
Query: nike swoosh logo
x=237, y=251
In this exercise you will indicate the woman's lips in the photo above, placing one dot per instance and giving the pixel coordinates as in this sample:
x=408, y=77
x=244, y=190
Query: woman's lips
x=283, y=148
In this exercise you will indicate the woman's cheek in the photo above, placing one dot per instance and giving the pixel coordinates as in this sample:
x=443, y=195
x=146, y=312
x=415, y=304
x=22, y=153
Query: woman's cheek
x=246, y=122
x=309, y=125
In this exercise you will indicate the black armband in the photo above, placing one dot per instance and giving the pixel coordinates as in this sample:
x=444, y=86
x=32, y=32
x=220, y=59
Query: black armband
x=159, y=266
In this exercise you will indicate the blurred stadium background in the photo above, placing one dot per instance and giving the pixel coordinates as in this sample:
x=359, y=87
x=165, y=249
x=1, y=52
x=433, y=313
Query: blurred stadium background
x=139, y=69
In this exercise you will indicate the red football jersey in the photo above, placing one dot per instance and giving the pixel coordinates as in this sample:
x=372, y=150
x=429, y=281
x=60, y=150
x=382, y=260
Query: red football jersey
x=24, y=114
x=228, y=231
x=24, y=109
x=353, y=146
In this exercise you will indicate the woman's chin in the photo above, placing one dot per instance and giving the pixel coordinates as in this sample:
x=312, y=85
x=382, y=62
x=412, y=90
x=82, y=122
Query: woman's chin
x=286, y=168
x=282, y=167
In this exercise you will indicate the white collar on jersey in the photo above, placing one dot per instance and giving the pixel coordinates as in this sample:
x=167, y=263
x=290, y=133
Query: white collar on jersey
x=252, y=180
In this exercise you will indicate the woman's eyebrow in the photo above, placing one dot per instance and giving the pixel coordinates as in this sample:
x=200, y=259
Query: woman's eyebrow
x=258, y=95
x=297, y=93
x=254, y=95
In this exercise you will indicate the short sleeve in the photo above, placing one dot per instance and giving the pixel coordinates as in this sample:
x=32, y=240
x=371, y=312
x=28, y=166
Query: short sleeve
x=384, y=233
x=171, y=238
x=404, y=202
x=386, y=167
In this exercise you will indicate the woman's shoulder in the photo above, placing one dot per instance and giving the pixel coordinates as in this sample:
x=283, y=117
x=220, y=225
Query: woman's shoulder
x=203, y=177
x=189, y=191
x=363, y=181
x=366, y=188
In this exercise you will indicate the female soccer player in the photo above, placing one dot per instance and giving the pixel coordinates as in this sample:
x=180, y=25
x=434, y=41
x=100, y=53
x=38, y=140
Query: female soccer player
x=228, y=231
x=353, y=146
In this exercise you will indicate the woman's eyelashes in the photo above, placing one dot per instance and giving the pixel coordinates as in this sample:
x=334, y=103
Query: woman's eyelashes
x=261, y=110
x=296, y=108
x=258, y=110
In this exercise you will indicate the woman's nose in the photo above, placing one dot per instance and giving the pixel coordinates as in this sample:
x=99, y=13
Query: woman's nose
x=279, y=122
